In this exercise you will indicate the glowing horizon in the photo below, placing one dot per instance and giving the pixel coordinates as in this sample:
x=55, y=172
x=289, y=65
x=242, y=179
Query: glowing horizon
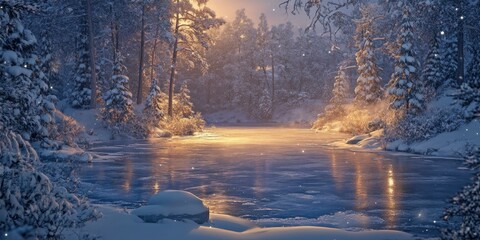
x=254, y=8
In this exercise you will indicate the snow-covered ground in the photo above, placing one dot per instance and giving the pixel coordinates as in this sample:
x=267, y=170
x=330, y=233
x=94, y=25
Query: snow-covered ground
x=117, y=224
x=448, y=144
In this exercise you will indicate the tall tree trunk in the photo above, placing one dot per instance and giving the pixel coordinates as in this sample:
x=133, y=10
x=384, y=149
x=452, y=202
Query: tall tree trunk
x=142, y=52
x=273, y=83
x=460, y=40
x=173, y=67
x=91, y=46
x=154, y=51
x=115, y=37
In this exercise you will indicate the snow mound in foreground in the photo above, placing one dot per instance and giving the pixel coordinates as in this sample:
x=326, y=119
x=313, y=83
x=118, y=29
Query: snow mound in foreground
x=118, y=225
x=174, y=205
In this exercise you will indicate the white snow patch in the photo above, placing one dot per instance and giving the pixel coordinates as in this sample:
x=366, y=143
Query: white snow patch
x=119, y=225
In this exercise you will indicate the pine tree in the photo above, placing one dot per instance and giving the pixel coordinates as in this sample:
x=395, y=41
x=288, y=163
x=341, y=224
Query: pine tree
x=449, y=60
x=469, y=94
x=340, y=90
x=29, y=202
x=154, y=106
x=465, y=206
x=368, y=88
x=432, y=75
x=118, y=100
x=404, y=87
x=264, y=109
x=81, y=90
x=190, y=31
x=25, y=106
x=184, y=107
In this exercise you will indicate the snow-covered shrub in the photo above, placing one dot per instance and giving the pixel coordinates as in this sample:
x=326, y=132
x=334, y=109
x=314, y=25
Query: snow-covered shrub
x=68, y=130
x=184, y=126
x=355, y=119
x=463, y=215
x=184, y=121
x=413, y=128
x=357, y=122
x=30, y=204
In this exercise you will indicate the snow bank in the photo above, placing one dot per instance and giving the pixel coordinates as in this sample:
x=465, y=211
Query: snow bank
x=174, y=205
x=118, y=225
x=66, y=153
x=448, y=144
x=445, y=144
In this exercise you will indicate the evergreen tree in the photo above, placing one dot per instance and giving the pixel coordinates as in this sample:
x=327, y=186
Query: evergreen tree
x=81, y=89
x=190, y=34
x=404, y=87
x=264, y=109
x=432, y=75
x=118, y=100
x=154, y=106
x=449, y=60
x=469, y=94
x=466, y=206
x=368, y=89
x=25, y=106
x=30, y=204
x=340, y=89
x=184, y=106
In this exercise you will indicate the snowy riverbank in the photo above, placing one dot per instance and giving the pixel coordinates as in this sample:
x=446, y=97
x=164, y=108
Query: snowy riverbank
x=447, y=144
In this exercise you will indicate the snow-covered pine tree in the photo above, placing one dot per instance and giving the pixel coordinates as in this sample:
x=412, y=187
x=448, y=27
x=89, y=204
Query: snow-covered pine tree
x=404, y=87
x=118, y=100
x=265, y=108
x=184, y=106
x=81, y=86
x=25, y=106
x=449, y=60
x=368, y=89
x=154, y=106
x=339, y=92
x=465, y=206
x=30, y=204
x=432, y=74
x=469, y=94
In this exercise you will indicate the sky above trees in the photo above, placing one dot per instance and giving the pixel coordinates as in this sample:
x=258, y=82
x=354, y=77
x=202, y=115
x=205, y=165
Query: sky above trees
x=226, y=9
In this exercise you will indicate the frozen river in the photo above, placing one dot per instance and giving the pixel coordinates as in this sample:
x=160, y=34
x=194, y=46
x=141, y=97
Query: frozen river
x=280, y=177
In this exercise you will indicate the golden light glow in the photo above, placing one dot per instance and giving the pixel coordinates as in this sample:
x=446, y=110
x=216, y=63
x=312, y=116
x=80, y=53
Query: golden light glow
x=336, y=174
x=361, y=193
x=128, y=175
x=391, y=197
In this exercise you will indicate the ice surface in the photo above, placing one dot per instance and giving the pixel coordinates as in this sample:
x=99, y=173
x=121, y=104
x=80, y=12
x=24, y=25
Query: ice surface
x=281, y=173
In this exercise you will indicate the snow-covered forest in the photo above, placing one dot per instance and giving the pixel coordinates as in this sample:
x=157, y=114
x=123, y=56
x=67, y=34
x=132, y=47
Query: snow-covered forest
x=82, y=76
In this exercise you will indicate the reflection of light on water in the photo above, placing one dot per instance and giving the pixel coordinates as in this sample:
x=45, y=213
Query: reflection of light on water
x=337, y=175
x=156, y=188
x=218, y=203
x=128, y=175
x=391, y=195
x=361, y=194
